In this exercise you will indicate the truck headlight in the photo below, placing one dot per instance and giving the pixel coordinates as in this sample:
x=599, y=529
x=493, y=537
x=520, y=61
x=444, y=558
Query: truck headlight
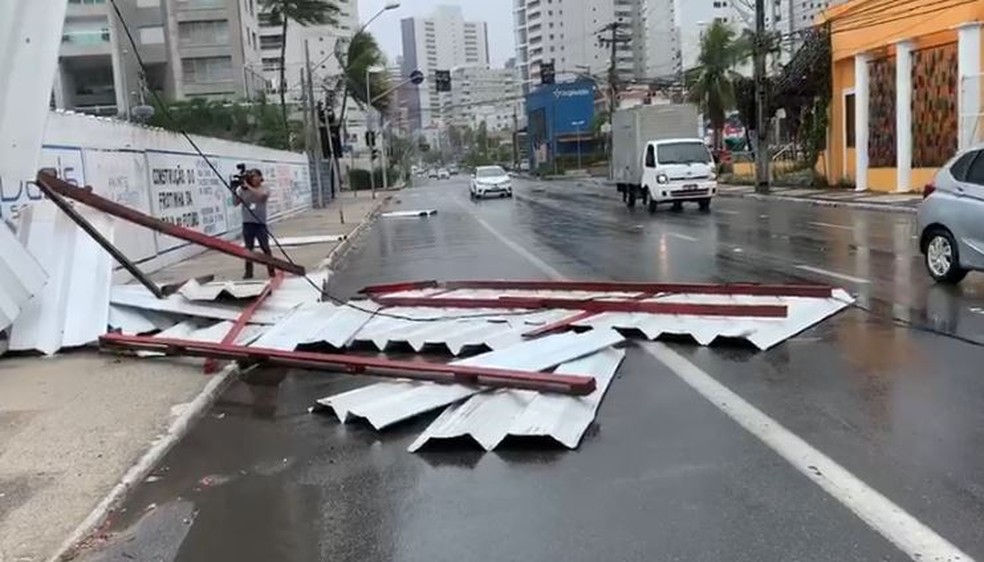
x=662, y=178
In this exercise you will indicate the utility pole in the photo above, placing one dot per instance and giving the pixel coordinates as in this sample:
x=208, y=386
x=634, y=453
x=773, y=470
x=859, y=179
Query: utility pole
x=314, y=138
x=515, y=137
x=761, y=102
x=612, y=41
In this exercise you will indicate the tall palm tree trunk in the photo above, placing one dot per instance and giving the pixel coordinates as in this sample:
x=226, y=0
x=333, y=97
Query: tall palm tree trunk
x=283, y=81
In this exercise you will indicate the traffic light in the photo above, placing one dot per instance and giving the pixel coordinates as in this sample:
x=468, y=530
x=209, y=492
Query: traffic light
x=548, y=74
x=370, y=138
x=375, y=153
x=442, y=80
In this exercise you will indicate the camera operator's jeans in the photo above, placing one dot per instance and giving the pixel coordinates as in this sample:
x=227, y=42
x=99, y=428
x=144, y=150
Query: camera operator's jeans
x=254, y=232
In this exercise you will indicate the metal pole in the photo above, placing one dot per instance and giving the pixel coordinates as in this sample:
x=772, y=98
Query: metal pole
x=314, y=139
x=761, y=103
x=336, y=172
x=579, y=146
x=372, y=162
x=382, y=152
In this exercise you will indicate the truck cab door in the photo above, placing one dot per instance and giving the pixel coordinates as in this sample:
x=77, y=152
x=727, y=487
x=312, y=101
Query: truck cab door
x=648, y=168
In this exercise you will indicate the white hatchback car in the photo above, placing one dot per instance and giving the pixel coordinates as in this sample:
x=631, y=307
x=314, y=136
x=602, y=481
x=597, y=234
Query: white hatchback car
x=490, y=180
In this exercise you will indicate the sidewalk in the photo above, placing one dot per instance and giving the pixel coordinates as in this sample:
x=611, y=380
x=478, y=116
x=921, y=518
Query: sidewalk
x=71, y=426
x=868, y=200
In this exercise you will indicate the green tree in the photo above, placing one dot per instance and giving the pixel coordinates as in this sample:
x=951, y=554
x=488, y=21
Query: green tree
x=254, y=122
x=362, y=54
x=711, y=84
x=302, y=12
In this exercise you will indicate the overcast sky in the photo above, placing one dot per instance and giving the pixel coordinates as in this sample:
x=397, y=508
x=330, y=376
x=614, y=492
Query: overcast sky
x=496, y=13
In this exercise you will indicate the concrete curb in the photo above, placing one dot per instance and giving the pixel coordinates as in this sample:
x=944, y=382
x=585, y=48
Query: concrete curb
x=138, y=472
x=339, y=251
x=882, y=207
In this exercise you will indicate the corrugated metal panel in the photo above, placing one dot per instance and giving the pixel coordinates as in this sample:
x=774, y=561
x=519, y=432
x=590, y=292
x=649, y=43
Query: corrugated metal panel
x=316, y=323
x=209, y=332
x=293, y=292
x=21, y=277
x=416, y=213
x=802, y=313
x=386, y=403
x=131, y=321
x=137, y=296
x=73, y=308
x=489, y=417
x=195, y=291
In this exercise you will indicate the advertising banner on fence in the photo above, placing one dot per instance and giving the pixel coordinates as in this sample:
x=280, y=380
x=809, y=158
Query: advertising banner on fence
x=67, y=164
x=122, y=177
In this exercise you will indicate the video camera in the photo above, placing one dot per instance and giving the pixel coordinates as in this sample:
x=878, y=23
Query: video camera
x=239, y=177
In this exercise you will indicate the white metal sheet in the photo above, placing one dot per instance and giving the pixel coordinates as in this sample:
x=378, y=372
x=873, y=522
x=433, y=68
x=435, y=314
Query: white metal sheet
x=21, y=276
x=73, y=308
x=291, y=241
x=386, y=403
x=137, y=296
x=415, y=213
x=490, y=417
x=195, y=291
x=802, y=313
x=131, y=321
x=317, y=322
x=292, y=292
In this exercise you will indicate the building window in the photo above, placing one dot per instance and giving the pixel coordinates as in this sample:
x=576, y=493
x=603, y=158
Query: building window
x=86, y=32
x=148, y=3
x=86, y=2
x=152, y=35
x=202, y=3
x=271, y=41
x=206, y=69
x=210, y=32
x=271, y=63
x=849, y=132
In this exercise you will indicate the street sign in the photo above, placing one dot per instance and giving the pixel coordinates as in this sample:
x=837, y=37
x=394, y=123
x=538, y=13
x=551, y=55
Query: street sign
x=416, y=77
x=442, y=80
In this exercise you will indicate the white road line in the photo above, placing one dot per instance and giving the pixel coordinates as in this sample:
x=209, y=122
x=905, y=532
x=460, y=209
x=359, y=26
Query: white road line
x=726, y=212
x=828, y=225
x=906, y=532
x=683, y=237
x=834, y=274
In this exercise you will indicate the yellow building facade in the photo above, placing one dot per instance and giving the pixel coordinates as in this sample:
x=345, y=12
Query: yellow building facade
x=906, y=81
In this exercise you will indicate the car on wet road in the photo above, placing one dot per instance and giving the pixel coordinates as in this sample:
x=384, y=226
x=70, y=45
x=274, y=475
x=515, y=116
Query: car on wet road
x=490, y=181
x=951, y=218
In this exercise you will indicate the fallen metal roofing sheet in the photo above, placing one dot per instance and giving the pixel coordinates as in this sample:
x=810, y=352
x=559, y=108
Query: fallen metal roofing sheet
x=73, y=308
x=489, y=417
x=132, y=321
x=802, y=313
x=289, y=241
x=383, y=404
x=416, y=213
x=195, y=291
x=137, y=296
x=317, y=322
x=195, y=331
x=21, y=276
x=293, y=292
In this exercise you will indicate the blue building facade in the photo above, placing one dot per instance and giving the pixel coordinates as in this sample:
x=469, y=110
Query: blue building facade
x=559, y=118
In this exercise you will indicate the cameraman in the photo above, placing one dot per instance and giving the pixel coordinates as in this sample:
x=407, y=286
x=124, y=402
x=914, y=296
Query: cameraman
x=253, y=195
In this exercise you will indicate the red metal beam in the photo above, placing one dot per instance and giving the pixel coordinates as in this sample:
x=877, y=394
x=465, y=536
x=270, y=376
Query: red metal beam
x=594, y=306
x=211, y=365
x=398, y=287
x=136, y=217
x=565, y=323
x=794, y=290
x=503, y=378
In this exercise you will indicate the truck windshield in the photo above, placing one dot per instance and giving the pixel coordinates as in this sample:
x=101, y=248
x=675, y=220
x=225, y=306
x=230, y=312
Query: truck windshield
x=683, y=153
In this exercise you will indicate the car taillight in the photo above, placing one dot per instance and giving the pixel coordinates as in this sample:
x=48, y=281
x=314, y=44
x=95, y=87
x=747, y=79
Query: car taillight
x=928, y=190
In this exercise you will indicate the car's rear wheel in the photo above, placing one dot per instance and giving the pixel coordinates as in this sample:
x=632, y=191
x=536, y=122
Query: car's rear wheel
x=943, y=258
x=630, y=202
x=704, y=204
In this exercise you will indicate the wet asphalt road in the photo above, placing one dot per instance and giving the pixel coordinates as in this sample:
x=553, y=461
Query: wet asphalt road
x=663, y=474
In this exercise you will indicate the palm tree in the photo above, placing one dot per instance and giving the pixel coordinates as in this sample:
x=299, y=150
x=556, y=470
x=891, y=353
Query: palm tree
x=302, y=12
x=362, y=54
x=711, y=84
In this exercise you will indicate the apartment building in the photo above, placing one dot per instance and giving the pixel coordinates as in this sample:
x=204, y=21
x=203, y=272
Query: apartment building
x=191, y=48
x=442, y=41
x=489, y=95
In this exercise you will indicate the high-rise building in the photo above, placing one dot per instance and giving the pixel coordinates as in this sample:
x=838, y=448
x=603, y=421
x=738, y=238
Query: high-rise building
x=489, y=95
x=442, y=41
x=567, y=34
x=191, y=48
x=321, y=40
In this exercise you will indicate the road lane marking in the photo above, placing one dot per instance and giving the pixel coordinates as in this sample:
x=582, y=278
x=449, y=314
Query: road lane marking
x=904, y=531
x=834, y=274
x=828, y=225
x=683, y=237
x=726, y=212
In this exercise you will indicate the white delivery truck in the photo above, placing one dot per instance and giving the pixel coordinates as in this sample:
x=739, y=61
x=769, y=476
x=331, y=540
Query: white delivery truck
x=659, y=156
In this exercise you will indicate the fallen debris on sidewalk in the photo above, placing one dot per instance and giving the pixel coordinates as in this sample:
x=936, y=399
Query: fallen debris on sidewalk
x=195, y=291
x=21, y=276
x=291, y=241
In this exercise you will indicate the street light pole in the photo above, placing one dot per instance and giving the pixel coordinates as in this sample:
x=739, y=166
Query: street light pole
x=372, y=161
x=577, y=125
x=314, y=138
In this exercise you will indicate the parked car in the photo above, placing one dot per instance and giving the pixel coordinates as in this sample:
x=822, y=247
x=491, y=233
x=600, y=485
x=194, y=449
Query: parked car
x=443, y=174
x=951, y=218
x=490, y=180
x=433, y=174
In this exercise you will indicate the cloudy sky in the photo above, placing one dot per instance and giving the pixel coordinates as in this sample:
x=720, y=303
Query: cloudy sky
x=496, y=13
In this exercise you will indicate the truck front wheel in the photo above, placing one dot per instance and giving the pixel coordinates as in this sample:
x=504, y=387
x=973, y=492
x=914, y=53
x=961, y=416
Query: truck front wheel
x=652, y=206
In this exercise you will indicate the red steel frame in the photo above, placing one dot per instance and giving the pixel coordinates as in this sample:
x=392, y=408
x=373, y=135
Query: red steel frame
x=794, y=290
x=593, y=306
x=565, y=323
x=110, y=207
x=503, y=378
x=211, y=365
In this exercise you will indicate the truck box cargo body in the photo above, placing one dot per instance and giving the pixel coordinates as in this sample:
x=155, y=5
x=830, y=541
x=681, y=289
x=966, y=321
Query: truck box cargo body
x=658, y=155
